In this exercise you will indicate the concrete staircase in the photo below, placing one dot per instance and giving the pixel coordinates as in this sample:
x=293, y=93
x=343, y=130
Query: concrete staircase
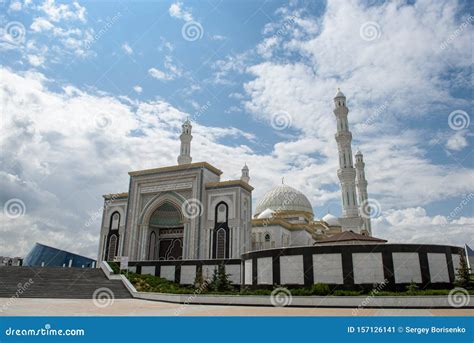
x=50, y=282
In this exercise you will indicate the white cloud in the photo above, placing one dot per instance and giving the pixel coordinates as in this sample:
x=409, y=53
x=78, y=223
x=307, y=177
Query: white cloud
x=138, y=89
x=160, y=75
x=457, y=141
x=127, y=48
x=41, y=24
x=35, y=60
x=52, y=140
x=379, y=78
x=15, y=6
x=60, y=12
x=172, y=71
x=413, y=225
x=177, y=10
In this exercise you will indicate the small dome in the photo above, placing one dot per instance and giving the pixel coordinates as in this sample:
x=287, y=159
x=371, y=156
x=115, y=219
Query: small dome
x=284, y=198
x=331, y=220
x=339, y=94
x=268, y=213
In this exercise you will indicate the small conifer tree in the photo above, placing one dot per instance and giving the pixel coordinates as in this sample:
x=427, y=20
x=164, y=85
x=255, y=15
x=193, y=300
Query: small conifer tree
x=463, y=274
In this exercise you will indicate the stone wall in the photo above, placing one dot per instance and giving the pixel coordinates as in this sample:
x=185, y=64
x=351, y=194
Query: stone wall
x=354, y=266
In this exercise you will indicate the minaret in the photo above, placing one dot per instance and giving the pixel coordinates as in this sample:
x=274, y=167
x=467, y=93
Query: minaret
x=361, y=183
x=350, y=219
x=245, y=174
x=185, y=137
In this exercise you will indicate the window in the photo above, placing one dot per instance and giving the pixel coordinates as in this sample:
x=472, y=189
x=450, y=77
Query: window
x=115, y=221
x=112, y=248
x=221, y=213
x=221, y=243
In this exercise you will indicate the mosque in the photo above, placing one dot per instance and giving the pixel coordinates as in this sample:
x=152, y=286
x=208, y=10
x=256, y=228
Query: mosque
x=181, y=220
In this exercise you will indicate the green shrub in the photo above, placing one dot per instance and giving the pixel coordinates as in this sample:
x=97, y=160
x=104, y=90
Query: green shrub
x=412, y=288
x=115, y=267
x=320, y=289
x=150, y=283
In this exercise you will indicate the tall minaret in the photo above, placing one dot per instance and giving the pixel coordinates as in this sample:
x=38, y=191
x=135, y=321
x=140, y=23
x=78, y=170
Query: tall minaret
x=245, y=174
x=361, y=184
x=350, y=219
x=185, y=137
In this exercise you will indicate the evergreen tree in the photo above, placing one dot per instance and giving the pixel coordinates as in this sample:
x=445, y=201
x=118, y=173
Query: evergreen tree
x=220, y=280
x=463, y=276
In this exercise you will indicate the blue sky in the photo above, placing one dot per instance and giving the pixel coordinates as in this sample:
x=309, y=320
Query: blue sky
x=91, y=90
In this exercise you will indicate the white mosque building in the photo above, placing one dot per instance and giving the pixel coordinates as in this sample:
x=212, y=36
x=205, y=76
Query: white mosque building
x=186, y=211
x=177, y=221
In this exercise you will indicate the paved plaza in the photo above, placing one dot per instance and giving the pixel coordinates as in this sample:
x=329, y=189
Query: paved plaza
x=136, y=307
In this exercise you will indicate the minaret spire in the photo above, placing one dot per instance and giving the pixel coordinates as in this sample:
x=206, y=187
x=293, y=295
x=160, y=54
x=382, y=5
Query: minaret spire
x=185, y=137
x=245, y=174
x=350, y=219
x=361, y=183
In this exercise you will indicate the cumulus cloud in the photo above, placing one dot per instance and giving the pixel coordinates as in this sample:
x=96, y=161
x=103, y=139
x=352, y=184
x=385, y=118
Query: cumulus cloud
x=59, y=12
x=457, y=141
x=61, y=150
x=388, y=80
x=414, y=225
x=172, y=71
x=178, y=11
x=159, y=74
x=127, y=48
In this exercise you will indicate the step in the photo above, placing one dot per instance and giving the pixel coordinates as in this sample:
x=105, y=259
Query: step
x=50, y=282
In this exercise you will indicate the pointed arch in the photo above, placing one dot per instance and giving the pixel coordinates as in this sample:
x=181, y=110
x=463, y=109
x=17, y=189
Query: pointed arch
x=173, y=198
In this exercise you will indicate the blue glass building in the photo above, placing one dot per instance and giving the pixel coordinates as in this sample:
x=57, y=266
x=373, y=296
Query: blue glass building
x=43, y=255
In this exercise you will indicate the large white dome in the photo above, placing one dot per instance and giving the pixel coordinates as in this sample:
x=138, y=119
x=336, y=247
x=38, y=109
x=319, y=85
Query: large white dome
x=331, y=220
x=284, y=198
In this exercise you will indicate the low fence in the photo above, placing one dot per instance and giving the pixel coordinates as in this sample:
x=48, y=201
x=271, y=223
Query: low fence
x=393, y=266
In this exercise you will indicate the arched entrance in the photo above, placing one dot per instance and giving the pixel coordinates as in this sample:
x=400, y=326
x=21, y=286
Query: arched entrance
x=165, y=236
